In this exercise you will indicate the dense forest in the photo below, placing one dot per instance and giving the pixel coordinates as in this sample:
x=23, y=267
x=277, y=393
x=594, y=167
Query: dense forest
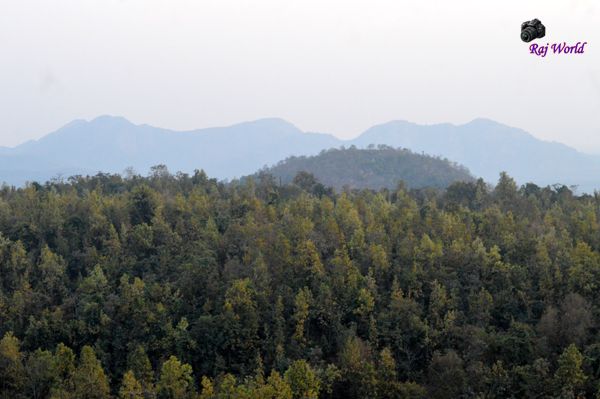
x=372, y=168
x=180, y=286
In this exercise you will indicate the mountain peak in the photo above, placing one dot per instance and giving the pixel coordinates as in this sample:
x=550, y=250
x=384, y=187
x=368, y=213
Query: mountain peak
x=484, y=122
x=396, y=122
x=277, y=123
x=110, y=120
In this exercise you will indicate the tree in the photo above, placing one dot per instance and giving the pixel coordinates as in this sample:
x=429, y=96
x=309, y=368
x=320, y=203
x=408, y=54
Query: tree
x=64, y=366
x=89, y=380
x=575, y=319
x=584, y=273
x=93, y=291
x=176, y=380
x=533, y=380
x=143, y=204
x=240, y=326
x=275, y=388
x=308, y=182
x=130, y=387
x=40, y=374
x=569, y=376
x=506, y=190
x=388, y=386
x=309, y=264
x=52, y=276
x=301, y=303
x=404, y=332
x=446, y=375
x=358, y=373
x=207, y=390
x=139, y=364
x=12, y=372
x=304, y=382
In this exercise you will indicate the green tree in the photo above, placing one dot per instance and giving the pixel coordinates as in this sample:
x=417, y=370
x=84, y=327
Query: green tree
x=139, y=364
x=446, y=375
x=143, y=204
x=506, y=190
x=89, y=380
x=358, y=373
x=388, y=386
x=207, y=389
x=240, y=326
x=12, y=372
x=52, y=279
x=569, y=376
x=304, y=382
x=64, y=366
x=301, y=305
x=130, y=387
x=275, y=388
x=40, y=374
x=176, y=380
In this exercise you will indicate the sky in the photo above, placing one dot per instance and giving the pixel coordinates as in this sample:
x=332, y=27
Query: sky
x=334, y=66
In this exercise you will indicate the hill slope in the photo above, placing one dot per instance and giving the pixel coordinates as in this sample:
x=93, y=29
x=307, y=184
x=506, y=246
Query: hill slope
x=487, y=147
x=372, y=168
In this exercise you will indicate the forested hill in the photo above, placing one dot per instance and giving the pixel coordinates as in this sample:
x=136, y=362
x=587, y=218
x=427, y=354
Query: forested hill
x=374, y=168
x=182, y=287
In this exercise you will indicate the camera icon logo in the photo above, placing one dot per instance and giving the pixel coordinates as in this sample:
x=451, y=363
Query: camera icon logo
x=532, y=30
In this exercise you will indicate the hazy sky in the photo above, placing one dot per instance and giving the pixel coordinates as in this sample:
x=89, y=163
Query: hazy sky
x=336, y=66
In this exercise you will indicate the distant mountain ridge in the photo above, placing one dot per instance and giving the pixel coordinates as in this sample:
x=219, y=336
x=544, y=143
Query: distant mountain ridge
x=111, y=144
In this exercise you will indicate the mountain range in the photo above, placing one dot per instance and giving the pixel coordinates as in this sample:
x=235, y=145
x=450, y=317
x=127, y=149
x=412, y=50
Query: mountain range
x=112, y=144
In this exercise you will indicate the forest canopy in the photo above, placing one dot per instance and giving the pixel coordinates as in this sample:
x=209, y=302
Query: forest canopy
x=179, y=286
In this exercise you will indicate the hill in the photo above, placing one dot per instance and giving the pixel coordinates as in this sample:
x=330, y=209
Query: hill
x=111, y=144
x=487, y=148
x=372, y=168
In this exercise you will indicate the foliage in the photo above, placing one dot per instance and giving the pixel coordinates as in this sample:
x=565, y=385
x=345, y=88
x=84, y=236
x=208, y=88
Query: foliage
x=185, y=287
